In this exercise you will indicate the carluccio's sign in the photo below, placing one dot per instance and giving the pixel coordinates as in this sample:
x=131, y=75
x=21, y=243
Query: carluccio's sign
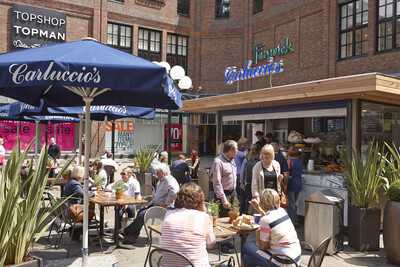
x=260, y=52
x=34, y=27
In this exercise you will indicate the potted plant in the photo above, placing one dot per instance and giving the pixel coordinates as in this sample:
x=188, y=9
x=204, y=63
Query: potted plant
x=119, y=187
x=22, y=221
x=364, y=181
x=234, y=212
x=391, y=224
x=143, y=160
x=213, y=210
x=98, y=182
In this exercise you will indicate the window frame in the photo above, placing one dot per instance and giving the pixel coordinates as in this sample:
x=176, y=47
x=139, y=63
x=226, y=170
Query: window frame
x=353, y=30
x=175, y=54
x=119, y=36
x=148, y=53
x=393, y=20
x=187, y=5
x=257, y=9
x=218, y=5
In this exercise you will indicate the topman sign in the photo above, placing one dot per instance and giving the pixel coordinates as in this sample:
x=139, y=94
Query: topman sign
x=34, y=27
x=260, y=52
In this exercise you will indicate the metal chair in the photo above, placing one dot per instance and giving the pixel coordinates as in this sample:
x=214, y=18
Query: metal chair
x=316, y=258
x=159, y=257
x=110, y=170
x=153, y=216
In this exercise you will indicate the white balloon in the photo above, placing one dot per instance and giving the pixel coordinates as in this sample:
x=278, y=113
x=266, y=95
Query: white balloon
x=177, y=72
x=185, y=83
x=165, y=65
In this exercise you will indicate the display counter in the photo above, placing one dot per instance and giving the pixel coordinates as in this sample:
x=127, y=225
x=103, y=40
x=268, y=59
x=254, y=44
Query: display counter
x=318, y=181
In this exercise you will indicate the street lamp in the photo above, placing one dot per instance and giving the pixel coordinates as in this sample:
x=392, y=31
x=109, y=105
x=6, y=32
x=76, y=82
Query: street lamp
x=183, y=82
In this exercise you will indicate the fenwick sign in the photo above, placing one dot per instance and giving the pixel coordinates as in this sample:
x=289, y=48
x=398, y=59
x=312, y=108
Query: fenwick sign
x=260, y=52
x=233, y=74
x=34, y=27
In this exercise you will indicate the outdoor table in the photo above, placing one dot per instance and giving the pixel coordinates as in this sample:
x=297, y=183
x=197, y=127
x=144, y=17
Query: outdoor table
x=106, y=200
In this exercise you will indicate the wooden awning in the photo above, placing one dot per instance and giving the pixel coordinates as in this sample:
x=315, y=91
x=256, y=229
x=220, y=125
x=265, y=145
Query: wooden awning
x=370, y=86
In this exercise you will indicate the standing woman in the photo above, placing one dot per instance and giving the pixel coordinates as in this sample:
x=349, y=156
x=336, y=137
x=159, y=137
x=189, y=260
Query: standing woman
x=266, y=173
x=295, y=182
x=194, y=156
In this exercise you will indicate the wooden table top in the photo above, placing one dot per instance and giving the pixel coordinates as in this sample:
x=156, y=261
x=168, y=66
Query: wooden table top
x=106, y=199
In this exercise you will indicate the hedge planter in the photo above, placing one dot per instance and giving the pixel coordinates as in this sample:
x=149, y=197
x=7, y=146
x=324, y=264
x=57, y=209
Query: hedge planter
x=391, y=231
x=33, y=262
x=364, y=226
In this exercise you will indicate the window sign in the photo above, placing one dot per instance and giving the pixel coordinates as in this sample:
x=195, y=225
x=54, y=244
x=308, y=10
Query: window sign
x=34, y=27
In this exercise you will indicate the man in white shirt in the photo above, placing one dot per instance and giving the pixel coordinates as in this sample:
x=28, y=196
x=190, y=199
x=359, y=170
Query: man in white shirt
x=110, y=166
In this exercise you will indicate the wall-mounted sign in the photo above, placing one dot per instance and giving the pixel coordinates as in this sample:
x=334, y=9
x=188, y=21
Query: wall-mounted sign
x=34, y=27
x=233, y=74
x=176, y=134
x=260, y=52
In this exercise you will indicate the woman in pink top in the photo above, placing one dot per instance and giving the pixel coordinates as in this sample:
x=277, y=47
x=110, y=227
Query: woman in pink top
x=188, y=229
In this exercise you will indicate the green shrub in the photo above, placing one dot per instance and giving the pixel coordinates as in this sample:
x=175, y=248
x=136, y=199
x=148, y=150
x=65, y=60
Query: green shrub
x=394, y=191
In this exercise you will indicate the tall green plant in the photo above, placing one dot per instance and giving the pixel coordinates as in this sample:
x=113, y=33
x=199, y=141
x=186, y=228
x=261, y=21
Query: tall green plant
x=22, y=221
x=144, y=158
x=364, y=176
x=392, y=163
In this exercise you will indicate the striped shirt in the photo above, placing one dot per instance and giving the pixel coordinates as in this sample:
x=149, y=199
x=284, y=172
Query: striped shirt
x=277, y=228
x=188, y=232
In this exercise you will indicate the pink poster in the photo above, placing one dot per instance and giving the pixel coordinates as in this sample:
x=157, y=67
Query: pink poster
x=63, y=132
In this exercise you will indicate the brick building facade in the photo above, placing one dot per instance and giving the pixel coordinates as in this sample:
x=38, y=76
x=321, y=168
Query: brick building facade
x=329, y=38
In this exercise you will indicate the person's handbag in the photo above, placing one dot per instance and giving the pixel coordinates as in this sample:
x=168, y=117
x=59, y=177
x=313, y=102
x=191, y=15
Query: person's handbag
x=284, y=200
x=75, y=211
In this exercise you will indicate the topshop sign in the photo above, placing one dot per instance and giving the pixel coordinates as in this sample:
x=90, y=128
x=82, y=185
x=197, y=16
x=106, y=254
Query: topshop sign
x=34, y=27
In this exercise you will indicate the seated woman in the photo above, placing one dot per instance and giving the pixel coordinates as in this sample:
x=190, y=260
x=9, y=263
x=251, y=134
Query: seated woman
x=277, y=234
x=73, y=186
x=188, y=229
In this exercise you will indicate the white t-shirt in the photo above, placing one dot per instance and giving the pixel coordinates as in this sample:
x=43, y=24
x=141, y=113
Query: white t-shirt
x=109, y=162
x=277, y=228
x=133, y=186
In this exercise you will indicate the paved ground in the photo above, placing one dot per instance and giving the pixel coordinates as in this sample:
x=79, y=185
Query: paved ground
x=69, y=252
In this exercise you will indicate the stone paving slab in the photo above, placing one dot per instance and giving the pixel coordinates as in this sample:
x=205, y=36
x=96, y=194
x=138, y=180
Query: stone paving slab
x=98, y=261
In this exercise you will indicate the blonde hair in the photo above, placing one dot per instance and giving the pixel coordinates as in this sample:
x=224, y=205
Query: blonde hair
x=77, y=173
x=268, y=149
x=269, y=199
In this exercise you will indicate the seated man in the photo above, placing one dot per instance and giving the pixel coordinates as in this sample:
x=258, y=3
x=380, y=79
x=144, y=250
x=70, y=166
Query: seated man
x=180, y=170
x=133, y=185
x=165, y=195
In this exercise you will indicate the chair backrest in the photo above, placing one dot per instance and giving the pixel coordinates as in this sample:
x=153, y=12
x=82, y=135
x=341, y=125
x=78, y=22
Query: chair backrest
x=319, y=253
x=164, y=257
x=153, y=216
x=110, y=173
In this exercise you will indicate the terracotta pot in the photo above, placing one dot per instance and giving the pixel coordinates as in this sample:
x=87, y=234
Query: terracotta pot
x=391, y=232
x=119, y=195
x=364, y=228
x=32, y=262
x=233, y=215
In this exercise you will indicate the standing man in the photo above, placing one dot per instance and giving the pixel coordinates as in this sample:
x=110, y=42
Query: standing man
x=180, y=170
x=54, y=149
x=110, y=166
x=224, y=174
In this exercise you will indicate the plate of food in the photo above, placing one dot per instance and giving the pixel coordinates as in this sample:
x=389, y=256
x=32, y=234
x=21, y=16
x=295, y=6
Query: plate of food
x=295, y=137
x=245, y=223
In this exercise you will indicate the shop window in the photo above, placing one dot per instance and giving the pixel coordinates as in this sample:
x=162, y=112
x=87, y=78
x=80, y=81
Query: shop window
x=258, y=6
x=120, y=36
x=149, y=44
x=353, y=33
x=177, y=50
x=388, y=36
x=184, y=7
x=222, y=8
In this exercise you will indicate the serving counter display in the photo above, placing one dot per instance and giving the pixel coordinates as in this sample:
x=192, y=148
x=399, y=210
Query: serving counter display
x=313, y=182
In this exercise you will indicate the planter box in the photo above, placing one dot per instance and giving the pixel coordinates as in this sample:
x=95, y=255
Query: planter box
x=364, y=228
x=391, y=232
x=34, y=262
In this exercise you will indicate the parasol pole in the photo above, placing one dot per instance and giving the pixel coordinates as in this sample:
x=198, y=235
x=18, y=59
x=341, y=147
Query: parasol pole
x=80, y=139
x=85, y=237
